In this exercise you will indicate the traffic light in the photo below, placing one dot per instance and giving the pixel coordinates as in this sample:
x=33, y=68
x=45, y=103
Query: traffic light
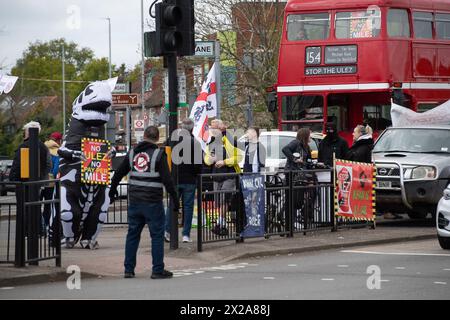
x=174, y=28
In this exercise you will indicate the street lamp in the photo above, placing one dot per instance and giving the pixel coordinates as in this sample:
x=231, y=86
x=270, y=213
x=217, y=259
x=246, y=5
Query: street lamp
x=63, y=58
x=109, y=30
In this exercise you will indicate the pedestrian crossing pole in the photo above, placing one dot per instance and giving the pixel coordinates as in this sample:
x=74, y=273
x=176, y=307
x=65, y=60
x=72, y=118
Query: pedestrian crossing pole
x=173, y=125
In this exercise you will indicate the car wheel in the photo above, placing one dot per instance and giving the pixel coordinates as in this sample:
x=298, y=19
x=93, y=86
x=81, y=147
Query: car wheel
x=444, y=242
x=417, y=215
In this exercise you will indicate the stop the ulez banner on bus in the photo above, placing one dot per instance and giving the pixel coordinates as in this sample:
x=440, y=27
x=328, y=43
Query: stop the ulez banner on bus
x=354, y=190
x=95, y=169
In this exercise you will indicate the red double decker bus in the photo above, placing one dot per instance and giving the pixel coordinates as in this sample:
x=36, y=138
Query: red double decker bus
x=343, y=61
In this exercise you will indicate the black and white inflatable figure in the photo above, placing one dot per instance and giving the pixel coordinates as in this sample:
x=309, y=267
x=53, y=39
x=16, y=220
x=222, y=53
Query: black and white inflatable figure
x=84, y=207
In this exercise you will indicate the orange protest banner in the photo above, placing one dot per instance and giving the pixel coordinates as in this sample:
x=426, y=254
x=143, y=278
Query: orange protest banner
x=95, y=169
x=354, y=190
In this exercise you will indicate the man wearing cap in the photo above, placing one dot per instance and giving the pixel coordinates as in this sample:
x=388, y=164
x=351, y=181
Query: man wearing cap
x=44, y=155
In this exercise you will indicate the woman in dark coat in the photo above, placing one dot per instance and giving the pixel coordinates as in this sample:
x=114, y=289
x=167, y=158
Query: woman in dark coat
x=361, y=150
x=301, y=146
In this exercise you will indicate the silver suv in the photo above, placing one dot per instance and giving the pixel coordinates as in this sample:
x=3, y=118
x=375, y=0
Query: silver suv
x=413, y=169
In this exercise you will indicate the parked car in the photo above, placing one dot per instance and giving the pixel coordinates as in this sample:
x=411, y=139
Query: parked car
x=443, y=220
x=275, y=141
x=413, y=169
x=5, y=169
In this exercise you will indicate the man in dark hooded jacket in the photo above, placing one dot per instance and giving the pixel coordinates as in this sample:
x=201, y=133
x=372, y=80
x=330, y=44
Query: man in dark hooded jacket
x=332, y=143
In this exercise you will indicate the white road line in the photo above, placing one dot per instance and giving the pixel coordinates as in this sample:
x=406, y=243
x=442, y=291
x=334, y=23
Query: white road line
x=437, y=282
x=327, y=279
x=217, y=278
x=400, y=268
x=398, y=253
x=342, y=266
x=446, y=269
x=269, y=278
x=292, y=265
x=6, y=288
x=385, y=280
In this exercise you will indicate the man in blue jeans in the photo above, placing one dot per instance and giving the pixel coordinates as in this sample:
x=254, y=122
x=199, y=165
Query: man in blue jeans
x=149, y=173
x=187, y=154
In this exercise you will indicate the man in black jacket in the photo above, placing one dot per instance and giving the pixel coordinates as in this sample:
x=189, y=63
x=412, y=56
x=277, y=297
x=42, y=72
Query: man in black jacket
x=149, y=173
x=332, y=143
x=187, y=155
x=45, y=160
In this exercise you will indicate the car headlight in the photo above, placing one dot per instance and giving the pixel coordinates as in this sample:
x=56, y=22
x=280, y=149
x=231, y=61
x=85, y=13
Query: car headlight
x=423, y=173
x=447, y=193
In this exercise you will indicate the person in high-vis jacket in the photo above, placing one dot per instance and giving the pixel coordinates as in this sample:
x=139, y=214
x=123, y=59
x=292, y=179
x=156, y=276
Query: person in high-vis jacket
x=148, y=174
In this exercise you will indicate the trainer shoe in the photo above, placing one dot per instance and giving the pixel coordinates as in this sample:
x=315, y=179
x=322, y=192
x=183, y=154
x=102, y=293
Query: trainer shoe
x=70, y=243
x=186, y=239
x=128, y=275
x=166, y=236
x=162, y=275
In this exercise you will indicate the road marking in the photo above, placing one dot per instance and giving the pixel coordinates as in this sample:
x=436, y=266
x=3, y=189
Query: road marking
x=224, y=267
x=269, y=278
x=217, y=277
x=342, y=266
x=327, y=279
x=437, y=282
x=446, y=269
x=398, y=253
x=400, y=268
x=290, y=254
x=6, y=288
x=292, y=265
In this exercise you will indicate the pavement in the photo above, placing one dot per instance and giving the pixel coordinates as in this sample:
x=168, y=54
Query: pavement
x=107, y=261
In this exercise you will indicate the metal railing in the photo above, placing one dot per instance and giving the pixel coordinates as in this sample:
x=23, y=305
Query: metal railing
x=27, y=239
x=117, y=213
x=295, y=202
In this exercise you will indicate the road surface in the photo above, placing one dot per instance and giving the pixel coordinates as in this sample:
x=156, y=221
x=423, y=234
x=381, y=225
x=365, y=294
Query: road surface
x=412, y=270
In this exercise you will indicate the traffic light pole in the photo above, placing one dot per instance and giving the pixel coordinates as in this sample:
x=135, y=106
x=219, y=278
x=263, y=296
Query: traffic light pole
x=173, y=125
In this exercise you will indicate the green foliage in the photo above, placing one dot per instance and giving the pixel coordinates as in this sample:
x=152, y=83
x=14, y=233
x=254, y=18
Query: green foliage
x=43, y=60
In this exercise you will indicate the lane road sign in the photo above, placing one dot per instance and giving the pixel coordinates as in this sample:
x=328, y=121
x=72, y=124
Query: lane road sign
x=131, y=99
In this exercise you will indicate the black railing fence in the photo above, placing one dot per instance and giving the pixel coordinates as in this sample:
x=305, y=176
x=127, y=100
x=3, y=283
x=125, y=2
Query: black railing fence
x=25, y=238
x=295, y=201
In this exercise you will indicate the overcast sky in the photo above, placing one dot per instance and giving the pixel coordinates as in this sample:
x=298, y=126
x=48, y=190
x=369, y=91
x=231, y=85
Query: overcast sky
x=81, y=21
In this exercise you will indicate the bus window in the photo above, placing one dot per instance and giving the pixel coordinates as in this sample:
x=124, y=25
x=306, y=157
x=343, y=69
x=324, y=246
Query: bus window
x=398, y=23
x=423, y=25
x=308, y=26
x=423, y=107
x=378, y=117
x=302, y=108
x=358, y=24
x=443, y=26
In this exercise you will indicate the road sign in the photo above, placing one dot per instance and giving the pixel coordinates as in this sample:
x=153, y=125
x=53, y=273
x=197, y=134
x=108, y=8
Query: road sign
x=131, y=99
x=204, y=48
x=181, y=90
x=139, y=125
x=122, y=88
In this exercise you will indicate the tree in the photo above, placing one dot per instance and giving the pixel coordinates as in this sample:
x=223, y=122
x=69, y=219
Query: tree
x=249, y=33
x=43, y=60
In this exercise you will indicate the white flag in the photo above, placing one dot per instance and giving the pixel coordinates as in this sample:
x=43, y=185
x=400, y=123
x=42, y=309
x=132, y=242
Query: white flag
x=7, y=83
x=402, y=116
x=209, y=91
x=205, y=107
